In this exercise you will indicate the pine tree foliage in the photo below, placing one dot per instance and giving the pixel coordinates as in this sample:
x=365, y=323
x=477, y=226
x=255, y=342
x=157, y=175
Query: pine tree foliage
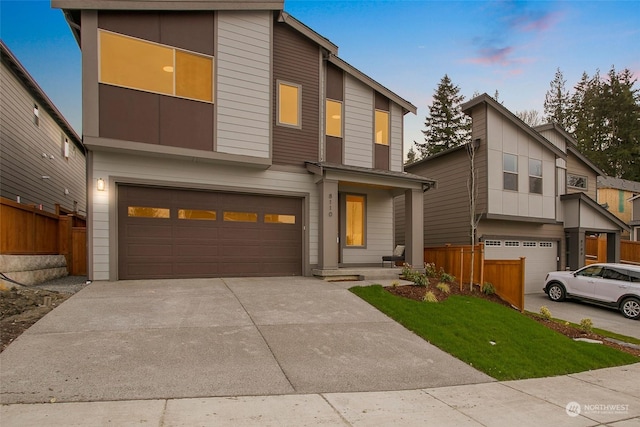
x=446, y=126
x=556, y=102
x=411, y=156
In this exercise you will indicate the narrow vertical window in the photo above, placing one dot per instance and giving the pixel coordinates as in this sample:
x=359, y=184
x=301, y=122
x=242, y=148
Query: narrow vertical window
x=334, y=118
x=289, y=104
x=36, y=115
x=355, y=215
x=510, y=171
x=382, y=128
x=535, y=176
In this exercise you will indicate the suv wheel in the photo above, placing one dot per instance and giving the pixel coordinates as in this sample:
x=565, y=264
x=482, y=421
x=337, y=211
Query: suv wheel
x=556, y=292
x=630, y=308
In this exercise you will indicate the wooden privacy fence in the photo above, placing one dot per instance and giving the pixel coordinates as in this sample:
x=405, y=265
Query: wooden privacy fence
x=26, y=230
x=597, y=251
x=507, y=276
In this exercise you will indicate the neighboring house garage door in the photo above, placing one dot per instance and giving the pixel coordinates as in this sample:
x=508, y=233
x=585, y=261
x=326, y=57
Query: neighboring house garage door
x=173, y=233
x=541, y=258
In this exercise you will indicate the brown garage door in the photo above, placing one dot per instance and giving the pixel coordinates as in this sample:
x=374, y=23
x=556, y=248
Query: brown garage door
x=165, y=233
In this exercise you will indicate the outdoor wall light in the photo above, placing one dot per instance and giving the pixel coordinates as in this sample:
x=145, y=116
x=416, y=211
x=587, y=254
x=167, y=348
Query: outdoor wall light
x=101, y=185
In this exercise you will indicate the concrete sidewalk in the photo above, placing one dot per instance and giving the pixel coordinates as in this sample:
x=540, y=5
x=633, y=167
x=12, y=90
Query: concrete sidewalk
x=274, y=351
x=605, y=397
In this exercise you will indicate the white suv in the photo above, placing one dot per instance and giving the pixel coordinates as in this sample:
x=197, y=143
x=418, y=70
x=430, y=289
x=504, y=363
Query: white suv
x=612, y=285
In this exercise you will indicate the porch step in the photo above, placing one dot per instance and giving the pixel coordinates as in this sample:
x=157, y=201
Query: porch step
x=364, y=273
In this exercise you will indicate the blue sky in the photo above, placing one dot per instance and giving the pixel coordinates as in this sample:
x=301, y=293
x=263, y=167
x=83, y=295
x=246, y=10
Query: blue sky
x=513, y=47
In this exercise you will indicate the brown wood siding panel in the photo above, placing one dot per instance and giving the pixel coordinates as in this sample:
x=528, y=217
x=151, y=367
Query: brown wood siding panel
x=176, y=248
x=381, y=156
x=22, y=144
x=381, y=102
x=188, y=30
x=296, y=60
x=129, y=115
x=333, y=150
x=335, y=82
x=520, y=229
x=144, y=25
x=186, y=124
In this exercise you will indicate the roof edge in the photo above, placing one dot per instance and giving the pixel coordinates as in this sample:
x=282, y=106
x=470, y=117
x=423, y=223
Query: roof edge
x=308, y=32
x=169, y=4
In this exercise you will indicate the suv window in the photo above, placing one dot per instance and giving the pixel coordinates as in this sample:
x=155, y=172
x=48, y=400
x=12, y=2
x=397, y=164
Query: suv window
x=615, y=274
x=634, y=276
x=594, y=271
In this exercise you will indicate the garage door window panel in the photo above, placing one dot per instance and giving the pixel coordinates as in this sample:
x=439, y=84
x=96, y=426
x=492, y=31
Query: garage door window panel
x=197, y=214
x=279, y=219
x=148, y=212
x=240, y=216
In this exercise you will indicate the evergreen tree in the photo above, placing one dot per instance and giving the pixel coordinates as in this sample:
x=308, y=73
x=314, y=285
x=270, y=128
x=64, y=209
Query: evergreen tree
x=411, y=155
x=557, y=102
x=446, y=126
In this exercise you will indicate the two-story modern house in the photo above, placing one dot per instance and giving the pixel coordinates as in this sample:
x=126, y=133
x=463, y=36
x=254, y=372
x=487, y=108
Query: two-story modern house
x=226, y=138
x=42, y=159
x=536, y=194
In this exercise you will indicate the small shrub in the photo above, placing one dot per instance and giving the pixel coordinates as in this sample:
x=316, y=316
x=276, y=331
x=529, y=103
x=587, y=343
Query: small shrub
x=414, y=276
x=420, y=279
x=586, y=325
x=443, y=287
x=395, y=284
x=430, y=269
x=545, y=312
x=429, y=297
x=488, y=288
x=406, y=270
x=446, y=277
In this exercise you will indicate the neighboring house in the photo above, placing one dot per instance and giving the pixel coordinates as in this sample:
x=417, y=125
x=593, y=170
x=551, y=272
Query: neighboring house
x=635, y=219
x=42, y=159
x=615, y=195
x=536, y=194
x=228, y=139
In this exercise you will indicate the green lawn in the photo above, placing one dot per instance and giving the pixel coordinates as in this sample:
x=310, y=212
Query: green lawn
x=466, y=326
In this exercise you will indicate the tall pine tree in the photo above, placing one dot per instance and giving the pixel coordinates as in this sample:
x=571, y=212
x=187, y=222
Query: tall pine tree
x=557, y=102
x=446, y=126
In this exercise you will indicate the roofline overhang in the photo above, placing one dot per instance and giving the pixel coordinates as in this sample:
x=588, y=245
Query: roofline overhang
x=390, y=178
x=406, y=105
x=168, y=4
x=595, y=205
x=41, y=97
x=486, y=99
x=308, y=32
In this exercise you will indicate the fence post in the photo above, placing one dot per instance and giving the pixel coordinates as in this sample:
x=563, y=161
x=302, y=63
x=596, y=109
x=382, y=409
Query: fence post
x=481, y=250
x=521, y=293
x=64, y=239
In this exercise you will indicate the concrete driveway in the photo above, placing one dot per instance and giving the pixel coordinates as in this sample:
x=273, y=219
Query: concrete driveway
x=166, y=339
x=574, y=311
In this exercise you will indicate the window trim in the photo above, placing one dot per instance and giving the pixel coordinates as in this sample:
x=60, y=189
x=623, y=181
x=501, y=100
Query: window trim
x=586, y=181
x=174, y=49
x=299, y=101
x=504, y=171
x=326, y=111
x=375, y=127
x=364, y=221
x=535, y=177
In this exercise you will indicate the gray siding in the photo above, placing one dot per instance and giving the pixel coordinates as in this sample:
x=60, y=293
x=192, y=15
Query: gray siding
x=23, y=149
x=358, y=126
x=396, y=142
x=297, y=60
x=243, y=66
x=575, y=166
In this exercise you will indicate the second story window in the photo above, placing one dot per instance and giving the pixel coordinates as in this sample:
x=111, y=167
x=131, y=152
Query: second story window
x=36, y=115
x=289, y=104
x=334, y=118
x=577, y=181
x=535, y=176
x=382, y=127
x=510, y=171
x=142, y=65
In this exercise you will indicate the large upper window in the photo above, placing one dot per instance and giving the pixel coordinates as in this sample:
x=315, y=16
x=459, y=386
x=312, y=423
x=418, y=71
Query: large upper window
x=334, y=118
x=289, y=102
x=138, y=64
x=577, y=181
x=382, y=127
x=510, y=171
x=535, y=176
x=355, y=220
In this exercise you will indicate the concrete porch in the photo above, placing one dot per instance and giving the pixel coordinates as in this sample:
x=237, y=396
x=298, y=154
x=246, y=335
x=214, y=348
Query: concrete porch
x=358, y=273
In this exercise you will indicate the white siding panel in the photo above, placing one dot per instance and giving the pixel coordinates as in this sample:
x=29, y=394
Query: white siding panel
x=185, y=174
x=358, y=126
x=396, y=138
x=379, y=237
x=243, y=64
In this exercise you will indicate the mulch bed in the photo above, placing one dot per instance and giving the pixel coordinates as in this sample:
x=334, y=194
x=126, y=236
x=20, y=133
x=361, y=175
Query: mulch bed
x=417, y=293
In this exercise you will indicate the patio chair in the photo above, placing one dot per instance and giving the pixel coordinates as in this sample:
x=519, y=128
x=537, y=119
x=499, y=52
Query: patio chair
x=398, y=255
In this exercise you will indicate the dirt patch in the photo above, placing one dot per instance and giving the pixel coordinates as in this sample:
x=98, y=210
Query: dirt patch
x=417, y=293
x=21, y=308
